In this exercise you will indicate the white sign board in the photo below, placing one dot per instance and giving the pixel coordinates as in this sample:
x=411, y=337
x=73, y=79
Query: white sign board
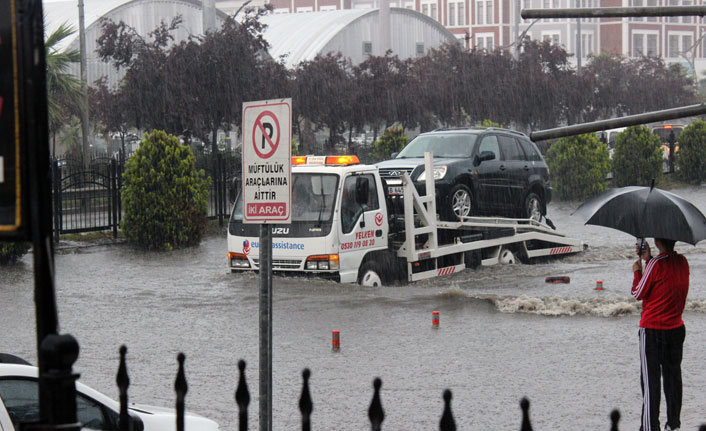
x=267, y=163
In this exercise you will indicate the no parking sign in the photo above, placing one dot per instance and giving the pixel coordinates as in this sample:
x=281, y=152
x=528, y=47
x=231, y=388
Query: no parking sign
x=267, y=132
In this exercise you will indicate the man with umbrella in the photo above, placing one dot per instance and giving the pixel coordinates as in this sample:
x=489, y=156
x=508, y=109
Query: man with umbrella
x=662, y=288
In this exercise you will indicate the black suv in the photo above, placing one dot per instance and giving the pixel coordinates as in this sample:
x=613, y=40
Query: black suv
x=491, y=171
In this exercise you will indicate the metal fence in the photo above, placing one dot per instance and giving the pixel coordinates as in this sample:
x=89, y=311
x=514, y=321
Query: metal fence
x=87, y=198
x=376, y=413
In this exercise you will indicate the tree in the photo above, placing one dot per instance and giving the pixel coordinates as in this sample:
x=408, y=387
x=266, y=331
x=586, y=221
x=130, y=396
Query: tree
x=113, y=109
x=64, y=97
x=579, y=165
x=637, y=158
x=691, y=158
x=393, y=140
x=165, y=197
x=325, y=93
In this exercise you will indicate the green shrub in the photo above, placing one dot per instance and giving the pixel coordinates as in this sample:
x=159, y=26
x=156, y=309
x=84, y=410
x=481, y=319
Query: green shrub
x=638, y=157
x=11, y=251
x=578, y=165
x=165, y=196
x=691, y=158
x=393, y=140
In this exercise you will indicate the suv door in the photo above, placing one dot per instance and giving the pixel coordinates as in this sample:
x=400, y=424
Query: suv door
x=491, y=176
x=518, y=171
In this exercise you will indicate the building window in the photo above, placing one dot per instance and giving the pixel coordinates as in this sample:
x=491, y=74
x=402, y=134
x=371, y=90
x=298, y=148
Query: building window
x=527, y=4
x=652, y=3
x=673, y=3
x=586, y=44
x=420, y=48
x=546, y=5
x=425, y=9
x=673, y=46
x=452, y=14
x=489, y=12
x=686, y=43
x=552, y=37
x=367, y=48
x=636, y=3
x=638, y=41
x=687, y=19
x=555, y=5
x=433, y=11
x=461, y=13
x=652, y=45
x=485, y=41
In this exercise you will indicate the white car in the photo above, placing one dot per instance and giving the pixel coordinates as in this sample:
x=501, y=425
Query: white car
x=19, y=402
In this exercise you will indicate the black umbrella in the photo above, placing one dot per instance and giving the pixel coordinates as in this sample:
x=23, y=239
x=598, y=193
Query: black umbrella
x=645, y=212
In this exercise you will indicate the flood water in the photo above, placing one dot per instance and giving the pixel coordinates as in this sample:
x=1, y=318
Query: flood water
x=504, y=334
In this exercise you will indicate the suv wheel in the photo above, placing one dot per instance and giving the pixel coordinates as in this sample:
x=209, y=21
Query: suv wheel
x=460, y=202
x=533, y=207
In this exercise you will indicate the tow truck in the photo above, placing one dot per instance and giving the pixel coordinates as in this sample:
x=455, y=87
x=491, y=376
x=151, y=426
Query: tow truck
x=346, y=226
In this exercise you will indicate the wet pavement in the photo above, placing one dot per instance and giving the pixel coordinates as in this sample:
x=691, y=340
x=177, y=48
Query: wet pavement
x=505, y=333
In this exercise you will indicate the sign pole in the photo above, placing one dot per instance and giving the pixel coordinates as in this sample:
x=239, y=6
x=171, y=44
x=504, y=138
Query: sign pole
x=267, y=178
x=265, y=328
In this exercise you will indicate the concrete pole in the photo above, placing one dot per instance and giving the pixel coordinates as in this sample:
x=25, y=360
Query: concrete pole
x=84, y=84
x=209, y=16
x=578, y=42
x=384, y=26
x=518, y=6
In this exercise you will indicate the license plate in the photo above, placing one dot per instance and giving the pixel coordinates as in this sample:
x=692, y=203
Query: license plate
x=395, y=190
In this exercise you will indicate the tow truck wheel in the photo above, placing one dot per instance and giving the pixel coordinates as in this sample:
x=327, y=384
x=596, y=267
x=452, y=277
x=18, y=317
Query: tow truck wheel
x=506, y=256
x=369, y=275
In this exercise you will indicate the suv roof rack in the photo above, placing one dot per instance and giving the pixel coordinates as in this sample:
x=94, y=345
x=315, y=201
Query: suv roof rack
x=507, y=130
x=502, y=129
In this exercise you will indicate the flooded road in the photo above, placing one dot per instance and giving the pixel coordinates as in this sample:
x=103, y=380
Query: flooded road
x=504, y=334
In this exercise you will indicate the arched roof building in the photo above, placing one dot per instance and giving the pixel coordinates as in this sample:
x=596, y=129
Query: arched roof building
x=143, y=15
x=355, y=33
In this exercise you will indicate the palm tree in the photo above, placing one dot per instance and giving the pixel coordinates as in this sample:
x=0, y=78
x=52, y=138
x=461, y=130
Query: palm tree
x=63, y=88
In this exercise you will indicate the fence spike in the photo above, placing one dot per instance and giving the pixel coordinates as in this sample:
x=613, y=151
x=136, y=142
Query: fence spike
x=614, y=419
x=305, y=404
x=181, y=388
x=123, y=382
x=375, y=411
x=242, y=398
x=447, y=418
x=526, y=424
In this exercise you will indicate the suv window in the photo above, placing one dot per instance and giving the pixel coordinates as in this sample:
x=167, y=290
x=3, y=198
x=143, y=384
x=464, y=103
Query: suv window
x=531, y=150
x=442, y=145
x=490, y=143
x=511, y=149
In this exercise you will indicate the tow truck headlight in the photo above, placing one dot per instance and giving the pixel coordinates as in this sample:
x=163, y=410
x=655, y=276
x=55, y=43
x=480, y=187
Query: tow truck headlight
x=322, y=262
x=238, y=260
x=439, y=173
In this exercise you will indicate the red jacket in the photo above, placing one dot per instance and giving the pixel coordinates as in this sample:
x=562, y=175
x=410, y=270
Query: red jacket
x=662, y=289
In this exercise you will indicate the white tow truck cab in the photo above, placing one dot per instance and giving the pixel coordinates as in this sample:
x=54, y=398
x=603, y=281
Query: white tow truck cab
x=346, y=227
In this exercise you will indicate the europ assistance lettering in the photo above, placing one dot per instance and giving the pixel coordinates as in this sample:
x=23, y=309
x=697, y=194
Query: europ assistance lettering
x=281, y=245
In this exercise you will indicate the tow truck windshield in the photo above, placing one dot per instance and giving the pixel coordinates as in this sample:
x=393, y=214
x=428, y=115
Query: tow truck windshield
x=312, y=200
x=441, y=145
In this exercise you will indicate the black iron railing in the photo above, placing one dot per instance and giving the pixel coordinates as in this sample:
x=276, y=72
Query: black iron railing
x=376, y=413
x=87, y=198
